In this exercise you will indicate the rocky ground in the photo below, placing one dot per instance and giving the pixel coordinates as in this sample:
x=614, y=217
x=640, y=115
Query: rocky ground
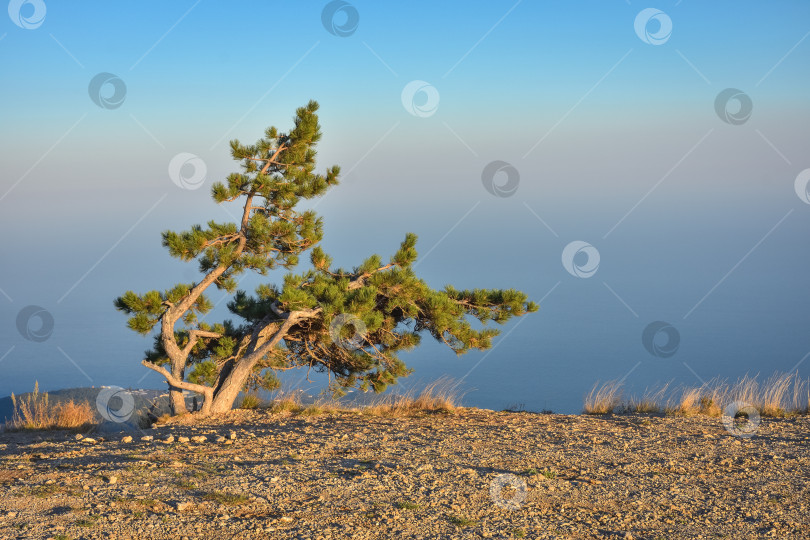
x=470, y=474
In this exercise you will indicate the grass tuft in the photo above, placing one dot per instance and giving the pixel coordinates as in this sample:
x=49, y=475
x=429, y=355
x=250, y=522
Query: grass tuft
x=781, y=394
x=460, y=521
x=439, y=396
x=228, y=499
x=603, y=399
x=250, y=401
x=34, y=412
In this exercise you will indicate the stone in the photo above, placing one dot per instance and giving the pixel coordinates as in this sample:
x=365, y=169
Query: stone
x=127, y=439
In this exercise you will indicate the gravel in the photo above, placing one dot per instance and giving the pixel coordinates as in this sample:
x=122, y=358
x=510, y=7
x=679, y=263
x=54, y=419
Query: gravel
x=468, y=474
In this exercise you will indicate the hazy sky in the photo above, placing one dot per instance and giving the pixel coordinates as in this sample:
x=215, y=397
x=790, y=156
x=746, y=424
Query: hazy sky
x=665, y=138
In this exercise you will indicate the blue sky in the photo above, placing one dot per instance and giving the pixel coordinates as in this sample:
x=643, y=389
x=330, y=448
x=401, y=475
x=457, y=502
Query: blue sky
x=617, y=142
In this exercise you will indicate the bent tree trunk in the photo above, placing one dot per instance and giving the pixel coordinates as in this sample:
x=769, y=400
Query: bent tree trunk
x=226, y=396
x=220, y=399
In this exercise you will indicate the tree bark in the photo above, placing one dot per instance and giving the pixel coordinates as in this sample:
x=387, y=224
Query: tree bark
x=177, y=401
x=179, y=384
x=235, y=380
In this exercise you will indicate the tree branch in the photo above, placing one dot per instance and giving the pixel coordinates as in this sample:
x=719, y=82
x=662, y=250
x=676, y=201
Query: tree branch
x=360, y=280
x=194, y=335
x=273, y=159
x=206, y=391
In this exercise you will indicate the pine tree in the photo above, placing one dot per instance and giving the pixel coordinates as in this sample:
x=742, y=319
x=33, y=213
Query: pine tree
x=350, y=323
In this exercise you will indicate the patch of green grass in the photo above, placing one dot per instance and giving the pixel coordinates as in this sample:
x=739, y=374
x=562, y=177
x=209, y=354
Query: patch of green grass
x=519, y=533
x=45, y=490
x=185, y=484
x=407, y=505
x=89, y=521
x=146, y=502
x=61, y=537
x=550, y=475
x=229, y=499
x=460, y=521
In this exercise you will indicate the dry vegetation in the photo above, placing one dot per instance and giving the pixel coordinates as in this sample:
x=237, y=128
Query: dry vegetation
x=440, y=396
x=34, y=412
x=779, y=395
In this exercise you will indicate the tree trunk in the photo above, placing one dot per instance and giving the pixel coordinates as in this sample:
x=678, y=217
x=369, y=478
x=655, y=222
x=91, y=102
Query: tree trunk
x=227, y=394
x=178, y=402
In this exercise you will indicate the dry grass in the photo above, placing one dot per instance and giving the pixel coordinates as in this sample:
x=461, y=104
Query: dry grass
x=250, y=401
x=603, y=399
x=779, y=395
x=287, y=401
x=34, y=412
x=439, y=396
x=650, y=402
